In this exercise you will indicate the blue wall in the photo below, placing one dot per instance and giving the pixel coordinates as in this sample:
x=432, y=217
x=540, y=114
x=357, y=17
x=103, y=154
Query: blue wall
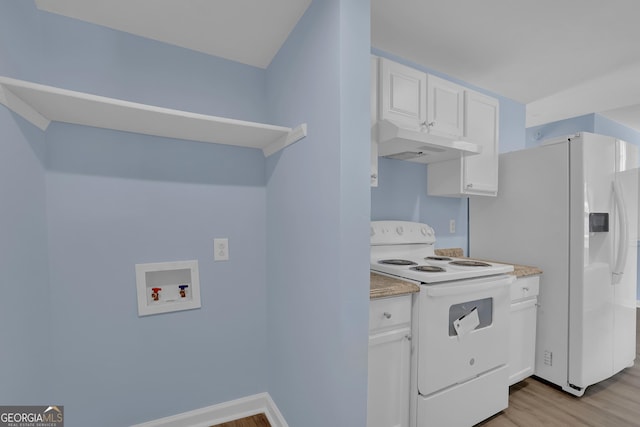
x=116, y=199
x=89, y=58
x=25, y=311
x=20, y=40
x=605, y=126
x=538, y=134
x=99, y=201
x=317, y=219
x=594, y=123
x=402, y=195
x=402, y=186
x=108, y=200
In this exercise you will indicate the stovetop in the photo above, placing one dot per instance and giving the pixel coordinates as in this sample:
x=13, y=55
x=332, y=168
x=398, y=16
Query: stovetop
x=430, y=271
x=406, y=250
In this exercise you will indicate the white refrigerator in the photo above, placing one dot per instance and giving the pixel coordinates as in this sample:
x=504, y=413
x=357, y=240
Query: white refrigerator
x=570, y=207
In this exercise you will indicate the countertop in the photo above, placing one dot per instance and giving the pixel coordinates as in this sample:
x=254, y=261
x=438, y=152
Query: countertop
x=383, y=286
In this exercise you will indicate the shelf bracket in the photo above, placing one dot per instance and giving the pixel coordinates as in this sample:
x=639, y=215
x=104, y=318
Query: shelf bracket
x=18, y=106
x=295, y=135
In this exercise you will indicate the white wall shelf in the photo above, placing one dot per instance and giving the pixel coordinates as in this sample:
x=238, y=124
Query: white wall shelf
x=41, y=104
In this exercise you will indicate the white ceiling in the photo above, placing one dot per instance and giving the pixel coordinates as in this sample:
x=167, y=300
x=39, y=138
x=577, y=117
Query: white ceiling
x=562, y=58
x=247, y=31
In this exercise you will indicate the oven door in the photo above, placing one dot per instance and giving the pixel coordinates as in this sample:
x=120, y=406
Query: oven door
x=463, y=331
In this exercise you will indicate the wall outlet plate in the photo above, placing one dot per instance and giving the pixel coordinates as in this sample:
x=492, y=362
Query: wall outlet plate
x=167, y=286
x=221, y=249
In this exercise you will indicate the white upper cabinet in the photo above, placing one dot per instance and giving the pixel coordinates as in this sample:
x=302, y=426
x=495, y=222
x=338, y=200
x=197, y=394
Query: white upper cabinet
x=480, y=173
x=374, y=118
x=403, y=94
x=445, y=106
x=471, y=175
x=414, y=99
x=419, y=116
x=422, y=118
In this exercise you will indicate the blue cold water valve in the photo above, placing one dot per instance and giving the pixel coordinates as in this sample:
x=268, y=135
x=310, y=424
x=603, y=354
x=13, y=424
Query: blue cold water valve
x=183, y=292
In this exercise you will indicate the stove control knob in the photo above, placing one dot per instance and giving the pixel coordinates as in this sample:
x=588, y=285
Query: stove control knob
x=400, y=230
x=427, y=231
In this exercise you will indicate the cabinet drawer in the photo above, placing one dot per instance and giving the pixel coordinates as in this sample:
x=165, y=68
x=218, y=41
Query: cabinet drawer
x=386, y=313
x=525, y=287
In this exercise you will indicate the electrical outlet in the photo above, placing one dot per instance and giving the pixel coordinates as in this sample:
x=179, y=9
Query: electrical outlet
x=221, y=249
x=452, y=226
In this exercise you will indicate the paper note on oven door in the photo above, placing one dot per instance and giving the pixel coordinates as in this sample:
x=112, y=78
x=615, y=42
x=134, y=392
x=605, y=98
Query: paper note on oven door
x=466, y=323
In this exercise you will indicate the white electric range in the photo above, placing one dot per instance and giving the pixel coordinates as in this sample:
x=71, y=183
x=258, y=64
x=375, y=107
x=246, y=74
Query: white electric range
x=460, y=326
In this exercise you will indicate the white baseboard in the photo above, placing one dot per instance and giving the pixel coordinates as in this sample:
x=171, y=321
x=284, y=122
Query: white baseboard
x=223, y=412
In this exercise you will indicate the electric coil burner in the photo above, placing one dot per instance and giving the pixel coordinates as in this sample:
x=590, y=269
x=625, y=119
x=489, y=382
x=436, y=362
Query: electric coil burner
x=438, y=258
x=470, y=263
x=397, y=262
x=428, y=268
x=460, y=325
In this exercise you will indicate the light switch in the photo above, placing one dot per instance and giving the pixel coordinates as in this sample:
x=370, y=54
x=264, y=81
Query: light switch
x=221, y=249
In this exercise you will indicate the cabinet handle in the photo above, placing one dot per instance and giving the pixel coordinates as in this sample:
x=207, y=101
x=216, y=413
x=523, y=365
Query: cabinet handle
x=428, y=125
x=524, y=288
x=387, y=315
x=407, y=337
x=374, y=176
x=482, y=188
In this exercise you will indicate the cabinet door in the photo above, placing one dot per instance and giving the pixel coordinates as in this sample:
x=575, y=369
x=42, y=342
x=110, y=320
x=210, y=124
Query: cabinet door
x=402, y=93
x=445, y=107
x=374, y=119
x=480, y=172
x=522, y=340
x=389, y=370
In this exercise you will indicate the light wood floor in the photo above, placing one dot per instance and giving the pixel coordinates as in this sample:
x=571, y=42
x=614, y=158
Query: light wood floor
x=259, y=420
x=611, y=403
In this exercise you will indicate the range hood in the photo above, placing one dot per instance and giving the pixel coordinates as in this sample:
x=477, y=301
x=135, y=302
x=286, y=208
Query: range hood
x=419, y=145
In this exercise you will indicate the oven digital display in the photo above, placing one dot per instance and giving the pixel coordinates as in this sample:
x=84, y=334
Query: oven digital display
x=483, y=307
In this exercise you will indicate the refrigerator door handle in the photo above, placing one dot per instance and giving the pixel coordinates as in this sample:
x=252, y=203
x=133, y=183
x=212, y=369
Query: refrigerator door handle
x=623, y=241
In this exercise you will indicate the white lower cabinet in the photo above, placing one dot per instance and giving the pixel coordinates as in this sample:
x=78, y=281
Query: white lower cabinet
x=522, y=339
x=389, y=362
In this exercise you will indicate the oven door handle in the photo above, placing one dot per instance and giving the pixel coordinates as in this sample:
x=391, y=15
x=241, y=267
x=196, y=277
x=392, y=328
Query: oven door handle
x=461, y=289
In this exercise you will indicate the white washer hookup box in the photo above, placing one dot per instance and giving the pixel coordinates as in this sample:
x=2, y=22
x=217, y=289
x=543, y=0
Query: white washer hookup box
x=167, y=286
